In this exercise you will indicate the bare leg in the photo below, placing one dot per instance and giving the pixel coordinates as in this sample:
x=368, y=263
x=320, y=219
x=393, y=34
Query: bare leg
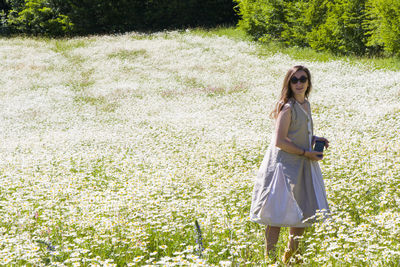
x=293, y=243
x=271, y=238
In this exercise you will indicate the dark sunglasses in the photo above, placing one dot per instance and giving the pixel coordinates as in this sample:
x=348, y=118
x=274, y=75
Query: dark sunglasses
x=295, y=80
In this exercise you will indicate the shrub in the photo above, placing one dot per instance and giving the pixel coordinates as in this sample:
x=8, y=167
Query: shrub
x=383, y=25
x=99, y=16
x=262, y=18
x=340, y=26
x=297, y=23
x=38, y=17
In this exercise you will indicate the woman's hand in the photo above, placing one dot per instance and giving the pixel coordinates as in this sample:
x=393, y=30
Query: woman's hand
x=314, y=155
x=325, y=140
x=315, y=138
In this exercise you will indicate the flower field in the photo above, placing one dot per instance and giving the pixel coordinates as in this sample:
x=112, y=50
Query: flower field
x=113, y=146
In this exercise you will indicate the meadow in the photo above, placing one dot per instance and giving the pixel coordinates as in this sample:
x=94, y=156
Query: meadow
x=112, y=147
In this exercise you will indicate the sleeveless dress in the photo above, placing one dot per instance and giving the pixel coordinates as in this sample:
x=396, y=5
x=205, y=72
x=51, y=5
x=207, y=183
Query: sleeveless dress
x=301, y=177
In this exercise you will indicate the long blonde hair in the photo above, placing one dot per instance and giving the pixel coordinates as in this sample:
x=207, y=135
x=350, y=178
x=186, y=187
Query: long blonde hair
x=287, y=92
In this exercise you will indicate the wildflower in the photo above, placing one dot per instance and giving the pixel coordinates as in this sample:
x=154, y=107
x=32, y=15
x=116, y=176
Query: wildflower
x=138, y=259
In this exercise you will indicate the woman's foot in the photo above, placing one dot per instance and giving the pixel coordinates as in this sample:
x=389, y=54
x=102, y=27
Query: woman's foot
x=286, y=256
x=291, y=254
x=270, y=256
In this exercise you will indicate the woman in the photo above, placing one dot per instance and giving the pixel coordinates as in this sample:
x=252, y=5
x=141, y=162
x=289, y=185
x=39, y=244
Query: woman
x=290, y=165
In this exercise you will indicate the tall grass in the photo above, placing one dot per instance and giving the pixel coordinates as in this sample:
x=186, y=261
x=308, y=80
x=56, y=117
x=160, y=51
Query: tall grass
x=113, y=146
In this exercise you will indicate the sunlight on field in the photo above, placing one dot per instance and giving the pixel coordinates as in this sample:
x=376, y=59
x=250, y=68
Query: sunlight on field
x=112, y=146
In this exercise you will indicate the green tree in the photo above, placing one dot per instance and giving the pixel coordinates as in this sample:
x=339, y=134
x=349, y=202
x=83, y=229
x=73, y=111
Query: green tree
x=38, y=17
x=337, y=26
x=383, y=25
x=340, y=26
x=262, y=18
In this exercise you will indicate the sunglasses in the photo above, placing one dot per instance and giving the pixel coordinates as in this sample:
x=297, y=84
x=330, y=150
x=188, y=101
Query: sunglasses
x=295, y=80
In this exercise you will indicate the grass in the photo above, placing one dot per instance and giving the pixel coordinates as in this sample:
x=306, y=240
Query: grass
x=231, y=32
x=303, y=53
x=113, y=146
x=63, y=46
x=128, y=54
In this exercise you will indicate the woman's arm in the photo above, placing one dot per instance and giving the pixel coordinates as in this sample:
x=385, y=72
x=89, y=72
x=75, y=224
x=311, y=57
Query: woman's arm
x=284, y=143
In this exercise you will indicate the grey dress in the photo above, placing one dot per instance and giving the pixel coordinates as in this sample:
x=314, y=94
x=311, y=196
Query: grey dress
x=303, y=175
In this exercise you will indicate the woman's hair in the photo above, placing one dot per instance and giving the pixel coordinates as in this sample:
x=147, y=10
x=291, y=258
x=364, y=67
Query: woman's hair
x=287, y=92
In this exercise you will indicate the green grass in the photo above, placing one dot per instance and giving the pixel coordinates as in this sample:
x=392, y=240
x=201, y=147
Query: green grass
x=128, y=54
x=114, y=165
x=302, y=53
x=67, y=45
x=102, y=102
x=231, y=32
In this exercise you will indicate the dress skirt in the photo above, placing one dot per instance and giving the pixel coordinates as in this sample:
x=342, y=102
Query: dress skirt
x=304, y=190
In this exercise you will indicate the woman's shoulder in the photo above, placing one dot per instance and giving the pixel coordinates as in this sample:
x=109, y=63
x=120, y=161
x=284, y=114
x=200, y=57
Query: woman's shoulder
x=289, y=104
x=286, y=109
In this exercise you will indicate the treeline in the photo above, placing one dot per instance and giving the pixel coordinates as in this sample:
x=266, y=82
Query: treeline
x=358, y=27
x=361, y=27
x=66, y=17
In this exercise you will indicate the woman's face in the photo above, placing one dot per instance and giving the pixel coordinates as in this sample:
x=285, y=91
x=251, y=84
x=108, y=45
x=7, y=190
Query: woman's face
x=299, y=83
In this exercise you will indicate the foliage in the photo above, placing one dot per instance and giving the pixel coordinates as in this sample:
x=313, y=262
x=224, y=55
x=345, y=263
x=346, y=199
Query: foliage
x=38, y=17
x=55, y=17
x=384, y=24
x=297, y=26
x=302, y=54
x=91, y=16
x=262, y=18
x=340, y=26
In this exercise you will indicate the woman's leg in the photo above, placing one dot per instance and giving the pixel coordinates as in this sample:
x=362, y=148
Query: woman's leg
x=293, y=243
x=271, y=238
x=295, y=233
